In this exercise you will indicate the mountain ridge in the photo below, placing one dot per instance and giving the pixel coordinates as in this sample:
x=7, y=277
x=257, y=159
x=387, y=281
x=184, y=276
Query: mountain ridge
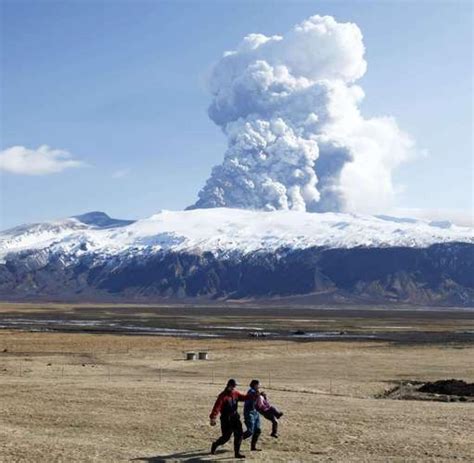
x=221, y=230
x=234, y=254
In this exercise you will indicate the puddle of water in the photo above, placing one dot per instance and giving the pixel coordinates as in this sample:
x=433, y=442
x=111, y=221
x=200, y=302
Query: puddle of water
x=45, y=325
x=333, y=334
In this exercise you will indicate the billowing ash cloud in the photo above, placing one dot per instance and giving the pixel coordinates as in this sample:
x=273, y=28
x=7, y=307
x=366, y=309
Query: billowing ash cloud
x=296, y=139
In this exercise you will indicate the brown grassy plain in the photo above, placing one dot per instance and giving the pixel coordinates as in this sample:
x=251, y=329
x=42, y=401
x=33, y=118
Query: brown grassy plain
x=111, y=398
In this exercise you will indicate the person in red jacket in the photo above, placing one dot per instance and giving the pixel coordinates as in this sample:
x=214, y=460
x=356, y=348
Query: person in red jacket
x=227, y=405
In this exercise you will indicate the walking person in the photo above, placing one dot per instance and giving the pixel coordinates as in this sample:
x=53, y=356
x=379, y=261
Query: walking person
x=251, y=415
x=227, y=405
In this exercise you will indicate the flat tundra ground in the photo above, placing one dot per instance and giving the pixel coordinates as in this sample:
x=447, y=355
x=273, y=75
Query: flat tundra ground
x=112, y=398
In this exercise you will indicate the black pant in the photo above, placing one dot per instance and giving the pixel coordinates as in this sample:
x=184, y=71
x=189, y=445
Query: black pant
x=231, y=425
x=271, y=417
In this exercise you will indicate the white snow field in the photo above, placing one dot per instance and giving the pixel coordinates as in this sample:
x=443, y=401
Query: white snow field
x=222, y=231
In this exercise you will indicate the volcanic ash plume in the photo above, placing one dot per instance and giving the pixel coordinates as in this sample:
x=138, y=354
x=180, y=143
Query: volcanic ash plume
x=296, y=139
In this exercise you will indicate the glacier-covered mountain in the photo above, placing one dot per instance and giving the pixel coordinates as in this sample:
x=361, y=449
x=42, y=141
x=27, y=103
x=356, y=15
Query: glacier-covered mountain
x=232, y=253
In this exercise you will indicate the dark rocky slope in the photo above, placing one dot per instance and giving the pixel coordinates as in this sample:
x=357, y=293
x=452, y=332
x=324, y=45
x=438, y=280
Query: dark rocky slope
x=440, y=274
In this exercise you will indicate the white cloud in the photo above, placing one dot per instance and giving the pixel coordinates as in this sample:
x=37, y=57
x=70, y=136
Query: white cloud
x=296, y=138
x=41, y=161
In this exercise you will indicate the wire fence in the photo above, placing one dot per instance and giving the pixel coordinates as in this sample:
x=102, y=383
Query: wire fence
x=332, y=372
x=199, y=372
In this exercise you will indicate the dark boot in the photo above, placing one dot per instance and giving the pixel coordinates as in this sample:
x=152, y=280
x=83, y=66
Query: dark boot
x=238, y=443
x=274, y=427
x=255, y=436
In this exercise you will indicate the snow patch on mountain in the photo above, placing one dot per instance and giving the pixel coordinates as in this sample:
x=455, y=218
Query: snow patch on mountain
x=223, y=231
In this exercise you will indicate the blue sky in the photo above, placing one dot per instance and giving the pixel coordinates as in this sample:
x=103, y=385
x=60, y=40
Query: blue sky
x=122, y=86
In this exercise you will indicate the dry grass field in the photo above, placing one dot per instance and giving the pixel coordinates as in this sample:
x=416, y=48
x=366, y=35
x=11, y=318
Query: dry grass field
x=115, y=398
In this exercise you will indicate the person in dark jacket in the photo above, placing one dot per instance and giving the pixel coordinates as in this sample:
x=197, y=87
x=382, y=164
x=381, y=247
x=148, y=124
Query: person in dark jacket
x=227, y=405
x=251, y=415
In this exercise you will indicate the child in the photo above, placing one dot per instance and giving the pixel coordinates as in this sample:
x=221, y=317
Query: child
x=269, y=412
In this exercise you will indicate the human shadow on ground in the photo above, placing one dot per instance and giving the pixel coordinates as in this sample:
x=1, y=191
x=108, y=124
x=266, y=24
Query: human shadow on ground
x=190, y=456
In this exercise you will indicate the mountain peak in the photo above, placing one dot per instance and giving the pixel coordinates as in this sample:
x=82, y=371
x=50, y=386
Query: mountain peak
x=101, y=219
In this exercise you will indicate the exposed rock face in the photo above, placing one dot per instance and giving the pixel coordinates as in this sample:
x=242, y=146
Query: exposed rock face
x=439, y=274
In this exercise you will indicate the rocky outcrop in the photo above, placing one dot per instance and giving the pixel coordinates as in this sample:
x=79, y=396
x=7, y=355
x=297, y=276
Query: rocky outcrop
x=440, y=274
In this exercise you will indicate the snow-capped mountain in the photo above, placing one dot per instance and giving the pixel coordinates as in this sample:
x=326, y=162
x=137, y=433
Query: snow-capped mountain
x=222, y=231
x=42, y=235
x=213, y=252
